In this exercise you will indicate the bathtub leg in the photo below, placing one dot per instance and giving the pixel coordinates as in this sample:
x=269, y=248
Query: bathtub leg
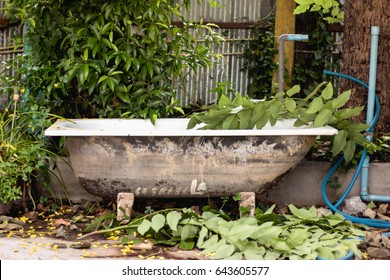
x=248, y=201
x=125, y=202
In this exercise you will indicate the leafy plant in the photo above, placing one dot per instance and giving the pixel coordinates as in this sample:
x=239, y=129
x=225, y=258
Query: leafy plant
x=300, y=235
x=260, y=59
x=319, y=108
x=331, y=8
x=315, y=55
x=23, y=153
x=110, y=59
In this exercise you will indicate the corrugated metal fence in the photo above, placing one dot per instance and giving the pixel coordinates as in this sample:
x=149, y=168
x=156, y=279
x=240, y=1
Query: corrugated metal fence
x=235, y=19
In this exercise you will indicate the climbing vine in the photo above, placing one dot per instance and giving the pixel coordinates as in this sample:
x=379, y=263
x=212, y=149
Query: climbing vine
x=315, y=55
x=312, y=57
x=330, y=8
x=260, y=59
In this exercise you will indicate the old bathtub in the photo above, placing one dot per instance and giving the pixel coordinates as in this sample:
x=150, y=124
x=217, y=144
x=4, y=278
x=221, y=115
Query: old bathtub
x=167, y=160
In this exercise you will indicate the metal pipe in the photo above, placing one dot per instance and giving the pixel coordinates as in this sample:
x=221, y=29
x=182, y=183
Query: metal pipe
x=372, y=75
x=364, y=192
x=282, y=39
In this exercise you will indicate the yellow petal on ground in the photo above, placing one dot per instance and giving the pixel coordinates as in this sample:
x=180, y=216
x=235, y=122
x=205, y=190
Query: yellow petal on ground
x=55, y=247
x=141, y=257
x=88, y=254
x=33, y=236
x=113, y=237
x=23, y=219
x=79, y=234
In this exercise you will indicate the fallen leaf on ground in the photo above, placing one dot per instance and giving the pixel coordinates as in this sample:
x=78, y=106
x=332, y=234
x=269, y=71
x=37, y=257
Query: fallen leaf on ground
x=81, y=245
x=380, y=253
x=60, y=233
x=59, y=222
x=369, y=213
x=9, y=226
x=32, y=215
x=374, y=237
x=386, y=241
x=59, y=246
x=5, y=218
x=383, y=217
x=382, y=209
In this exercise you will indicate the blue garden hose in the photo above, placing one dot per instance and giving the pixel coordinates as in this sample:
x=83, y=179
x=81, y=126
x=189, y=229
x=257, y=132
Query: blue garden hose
x=334, y=207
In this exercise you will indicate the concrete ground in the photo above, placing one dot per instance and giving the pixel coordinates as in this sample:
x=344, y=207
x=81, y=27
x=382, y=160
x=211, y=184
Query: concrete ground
x=49, y=248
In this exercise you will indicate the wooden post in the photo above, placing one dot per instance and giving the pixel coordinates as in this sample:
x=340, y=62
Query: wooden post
x=284, y=24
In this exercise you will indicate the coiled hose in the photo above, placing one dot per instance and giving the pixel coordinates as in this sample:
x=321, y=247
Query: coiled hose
x=334, y=207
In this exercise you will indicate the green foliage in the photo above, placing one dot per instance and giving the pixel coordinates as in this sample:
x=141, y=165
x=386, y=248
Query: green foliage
x=330, y=8
x=321, y=107
x=308, y=66
x=260, y=59
x=299, y=235
x=317, y=54
x=22, y=151
x=110, y=58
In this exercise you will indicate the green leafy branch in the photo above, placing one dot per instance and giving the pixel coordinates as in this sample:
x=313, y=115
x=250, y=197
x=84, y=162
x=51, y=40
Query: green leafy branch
x=321, y=107
x=328, y=7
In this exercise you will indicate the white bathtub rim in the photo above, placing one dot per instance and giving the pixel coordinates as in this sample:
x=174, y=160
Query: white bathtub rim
x=173, y=127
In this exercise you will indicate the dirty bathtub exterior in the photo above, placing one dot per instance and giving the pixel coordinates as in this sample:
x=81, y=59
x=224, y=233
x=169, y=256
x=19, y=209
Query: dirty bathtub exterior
x=167, y=160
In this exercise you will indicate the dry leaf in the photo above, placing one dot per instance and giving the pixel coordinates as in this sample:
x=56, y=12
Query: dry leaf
x=5, y=218
x=374, y=237
x=382, y=209
x=369, y=213
x=32, y=215
x=60, y=233
x=386, y=241
x=379, y=253
x=59, y=222
x=9, y=226
x=59, y=245
x=81, y=245
x=383, y=217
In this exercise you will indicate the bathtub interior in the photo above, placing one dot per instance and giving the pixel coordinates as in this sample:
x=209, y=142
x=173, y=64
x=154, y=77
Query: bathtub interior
x=171, y=127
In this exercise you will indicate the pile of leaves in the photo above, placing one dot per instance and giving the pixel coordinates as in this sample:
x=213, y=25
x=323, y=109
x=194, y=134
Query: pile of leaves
x=302, y=234
x=321, y=107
